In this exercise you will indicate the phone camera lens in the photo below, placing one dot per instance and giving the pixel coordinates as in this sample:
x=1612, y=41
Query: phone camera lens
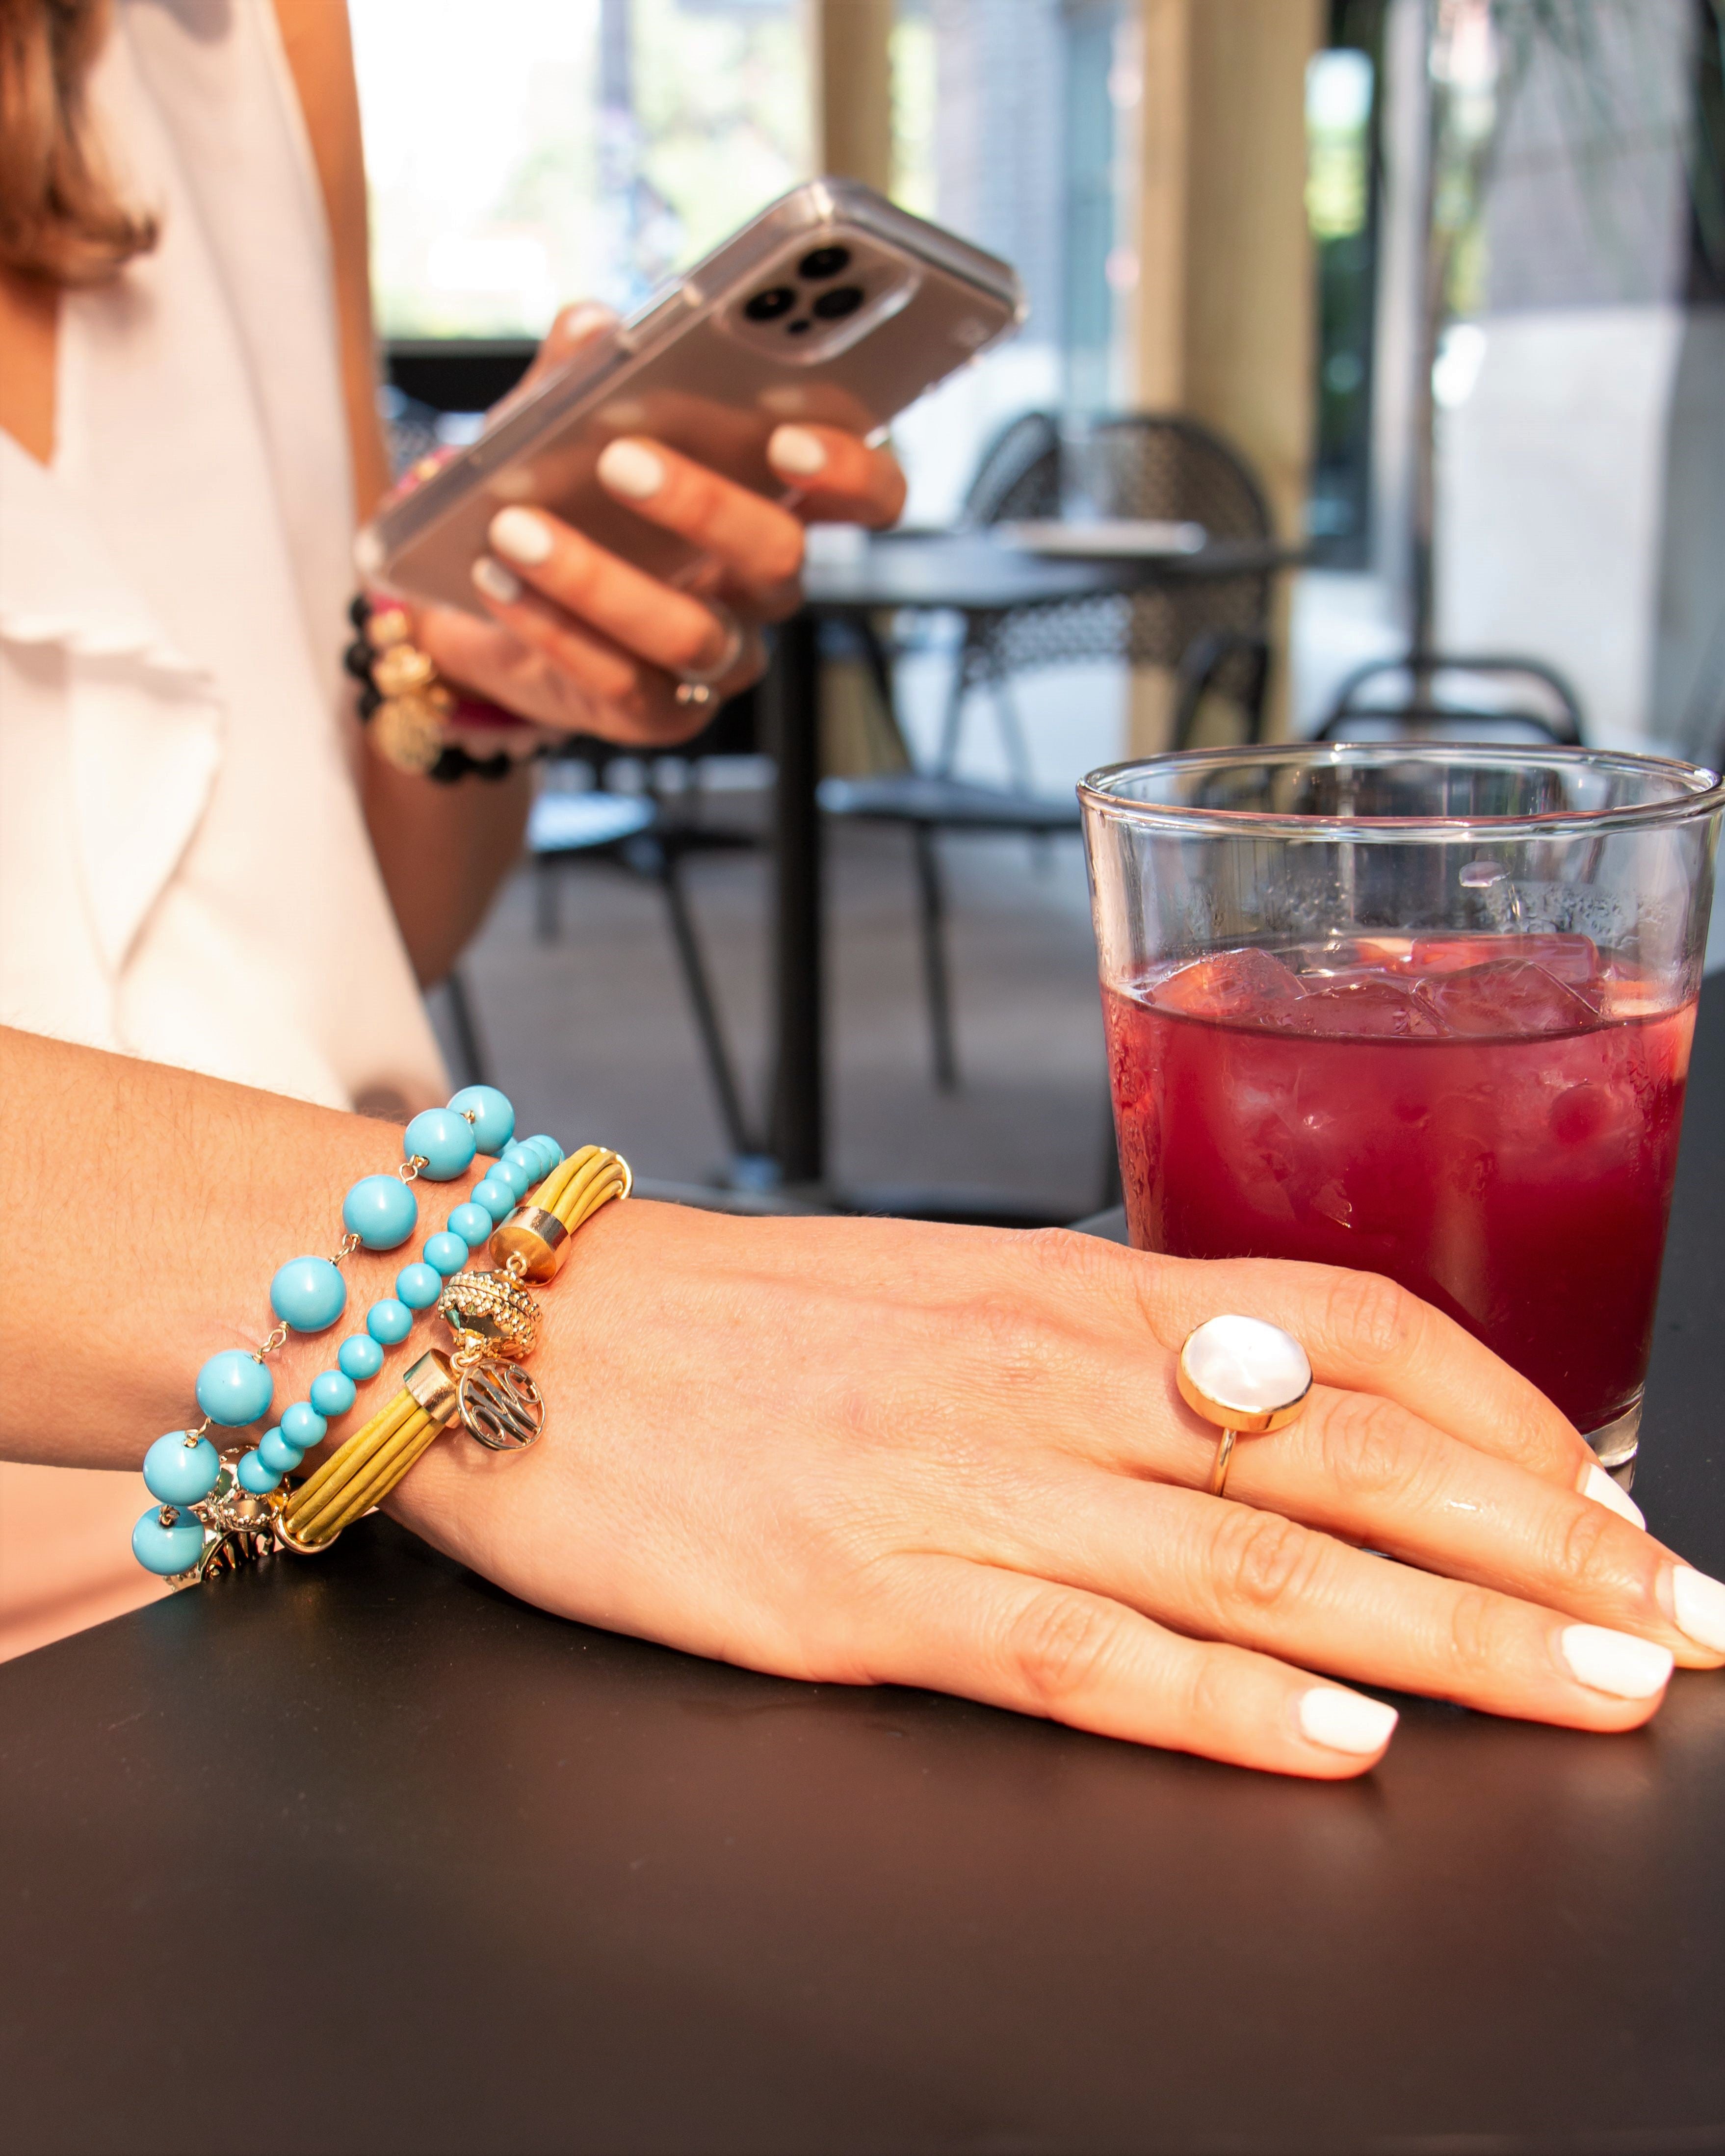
x=824, y=262
x=768, y=305
x=843, y=299
x=800, y=327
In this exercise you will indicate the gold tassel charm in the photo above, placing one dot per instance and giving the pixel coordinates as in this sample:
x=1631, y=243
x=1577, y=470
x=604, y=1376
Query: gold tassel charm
x=363, y=1471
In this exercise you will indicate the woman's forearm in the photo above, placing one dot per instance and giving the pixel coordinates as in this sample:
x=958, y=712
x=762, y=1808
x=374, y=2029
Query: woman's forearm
x=146, y=1211
x=443, y=850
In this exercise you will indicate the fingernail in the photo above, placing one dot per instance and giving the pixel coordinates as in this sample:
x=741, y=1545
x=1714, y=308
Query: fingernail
x=795, y=450
x=1698, y=1604
x=631, y=467
x=1616, y=1662
x=495, y=582
x=523, y=536
x=581, y=320
x=1598, y=1485
x=1346, y=1721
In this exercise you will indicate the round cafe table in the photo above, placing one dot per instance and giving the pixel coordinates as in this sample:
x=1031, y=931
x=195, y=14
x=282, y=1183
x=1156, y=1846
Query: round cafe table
x=363, y=1854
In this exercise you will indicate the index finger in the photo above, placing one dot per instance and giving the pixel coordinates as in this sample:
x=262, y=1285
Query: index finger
x=1363, y=1334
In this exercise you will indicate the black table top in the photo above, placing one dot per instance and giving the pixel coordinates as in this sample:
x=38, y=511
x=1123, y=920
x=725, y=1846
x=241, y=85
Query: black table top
x=972, y=573
x=365, y=1856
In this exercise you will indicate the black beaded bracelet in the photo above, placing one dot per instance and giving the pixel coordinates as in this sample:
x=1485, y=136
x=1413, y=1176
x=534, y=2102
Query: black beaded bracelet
x=409, y=708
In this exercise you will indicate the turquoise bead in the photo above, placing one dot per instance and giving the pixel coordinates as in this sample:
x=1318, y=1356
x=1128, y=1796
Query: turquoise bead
x=511, y=1174
x=277, y=1454
x=443, y=1140
x=447, y=1253
x=234, y=1388
x=309, y=1294
x=550, y=1152
x=360, y=1357
x=493, y=1115
x=497, y=1198
x=332, y=1393
x=252, y=1474
x=418, y=1286
x=302, y=1426
x=179, y=1472
x=532, y=1154
x=381, y=1210
x=169, y=1549
x=389, y=1321
x=472, y=1223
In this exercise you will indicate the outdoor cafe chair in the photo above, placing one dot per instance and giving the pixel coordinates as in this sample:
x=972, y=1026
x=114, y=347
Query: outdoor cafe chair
x=1212, y=635
x=1448, y=695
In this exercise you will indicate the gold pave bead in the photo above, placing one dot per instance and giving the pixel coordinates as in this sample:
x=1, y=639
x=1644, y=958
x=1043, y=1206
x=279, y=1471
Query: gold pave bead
x=490, y=1310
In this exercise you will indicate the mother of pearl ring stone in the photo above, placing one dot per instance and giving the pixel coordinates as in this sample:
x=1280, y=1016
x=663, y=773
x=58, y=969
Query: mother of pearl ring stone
x=1244, y=1375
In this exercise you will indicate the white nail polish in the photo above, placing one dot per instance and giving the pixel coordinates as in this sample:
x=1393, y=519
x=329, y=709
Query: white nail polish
x=495, y=582
x=1616, y=1662
x=1598, y=1485
x=581, y=320
x=1698, y=1604
x=522, y=536
x=630, y=468
x=795, y=450
x=1346, y=1721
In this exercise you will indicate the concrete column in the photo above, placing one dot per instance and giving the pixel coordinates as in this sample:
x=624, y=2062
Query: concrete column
x=1223, y=325
x=850, y=58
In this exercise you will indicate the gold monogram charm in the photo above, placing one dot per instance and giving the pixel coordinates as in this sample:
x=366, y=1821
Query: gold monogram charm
x=502, y=1406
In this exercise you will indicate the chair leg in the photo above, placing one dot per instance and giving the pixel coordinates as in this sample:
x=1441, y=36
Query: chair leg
x=547, y=923
x=952, y=722
x=1012, y=734
x=932, y=912
x=706, y=1010
x=878, y=663
x=466, y=1031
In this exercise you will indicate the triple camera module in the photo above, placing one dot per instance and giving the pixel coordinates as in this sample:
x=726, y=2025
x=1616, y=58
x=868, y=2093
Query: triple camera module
x=820, y=266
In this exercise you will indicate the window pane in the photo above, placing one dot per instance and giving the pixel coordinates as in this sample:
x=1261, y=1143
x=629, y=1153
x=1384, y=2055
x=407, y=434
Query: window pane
x=541, y=150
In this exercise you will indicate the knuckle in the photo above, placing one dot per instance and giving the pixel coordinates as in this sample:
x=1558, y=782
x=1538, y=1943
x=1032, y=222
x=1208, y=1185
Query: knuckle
x=695, y=640
x=1263, y=1560
x=1476, y=1642
x=1209, y=1701
x=1058, y=1647
x=1376, y=1320
x=779, y=560
x=1368, y=1445
x=1584, y=1548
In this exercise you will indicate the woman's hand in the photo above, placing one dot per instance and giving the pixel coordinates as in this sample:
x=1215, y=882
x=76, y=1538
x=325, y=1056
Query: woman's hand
x=582, y=641
x=874, y=1452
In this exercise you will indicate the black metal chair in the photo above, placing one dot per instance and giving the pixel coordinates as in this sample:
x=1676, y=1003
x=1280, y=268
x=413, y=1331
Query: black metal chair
x=1211, y=634
x=1445, y=695
x=650, y=835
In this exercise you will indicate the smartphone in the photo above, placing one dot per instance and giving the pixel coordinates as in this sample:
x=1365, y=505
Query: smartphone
x=833, y=305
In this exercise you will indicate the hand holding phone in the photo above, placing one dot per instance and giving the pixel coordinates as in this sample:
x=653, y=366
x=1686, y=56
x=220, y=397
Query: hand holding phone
x=649, y=467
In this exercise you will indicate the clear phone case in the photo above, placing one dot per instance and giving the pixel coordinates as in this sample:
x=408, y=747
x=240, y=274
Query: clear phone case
x=833, y=306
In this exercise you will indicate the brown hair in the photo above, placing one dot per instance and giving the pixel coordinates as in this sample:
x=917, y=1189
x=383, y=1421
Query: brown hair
x=61, y=219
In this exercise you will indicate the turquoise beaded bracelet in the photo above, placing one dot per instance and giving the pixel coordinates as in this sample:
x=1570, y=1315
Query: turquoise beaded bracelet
x=207, y=1499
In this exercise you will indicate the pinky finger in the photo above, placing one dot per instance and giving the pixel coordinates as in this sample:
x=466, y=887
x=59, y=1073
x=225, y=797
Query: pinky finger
x=1043, y=1648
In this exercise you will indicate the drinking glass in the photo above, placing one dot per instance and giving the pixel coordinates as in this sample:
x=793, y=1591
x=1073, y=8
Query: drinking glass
x=1423, y=1010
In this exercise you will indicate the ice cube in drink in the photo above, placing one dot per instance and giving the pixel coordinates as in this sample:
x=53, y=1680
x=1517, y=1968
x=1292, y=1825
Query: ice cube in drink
x=1491, y=1120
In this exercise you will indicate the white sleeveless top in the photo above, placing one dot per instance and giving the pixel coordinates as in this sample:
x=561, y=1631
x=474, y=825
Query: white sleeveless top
x=184, y=870
x=185, y=873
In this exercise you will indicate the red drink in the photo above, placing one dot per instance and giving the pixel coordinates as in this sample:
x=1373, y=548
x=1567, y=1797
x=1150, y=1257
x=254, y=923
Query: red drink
x=1491, y=1120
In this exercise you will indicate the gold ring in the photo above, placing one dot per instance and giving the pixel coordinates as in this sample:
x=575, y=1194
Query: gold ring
x=1246, y=1377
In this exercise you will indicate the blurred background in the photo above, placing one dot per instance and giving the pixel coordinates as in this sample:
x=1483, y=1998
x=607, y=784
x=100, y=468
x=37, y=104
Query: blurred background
x=1422, y=300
